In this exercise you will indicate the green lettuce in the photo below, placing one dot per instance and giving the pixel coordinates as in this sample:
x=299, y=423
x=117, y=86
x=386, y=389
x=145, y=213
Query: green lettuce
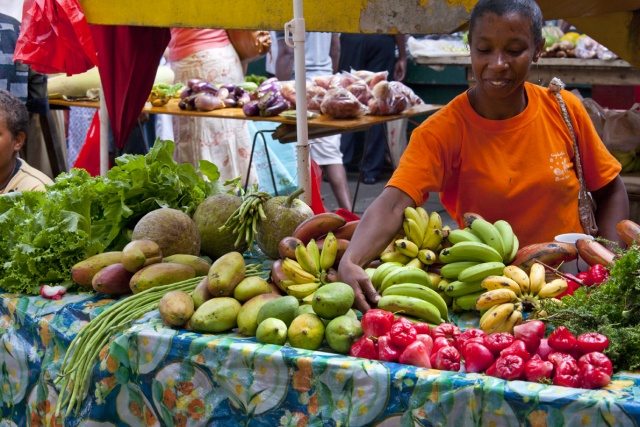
x=46, y=233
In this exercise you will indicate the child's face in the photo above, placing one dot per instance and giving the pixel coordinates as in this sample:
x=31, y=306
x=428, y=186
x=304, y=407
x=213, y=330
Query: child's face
x=9, y=144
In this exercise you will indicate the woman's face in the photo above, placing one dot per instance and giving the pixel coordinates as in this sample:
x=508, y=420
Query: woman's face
x=9, y=145
x=502, y=49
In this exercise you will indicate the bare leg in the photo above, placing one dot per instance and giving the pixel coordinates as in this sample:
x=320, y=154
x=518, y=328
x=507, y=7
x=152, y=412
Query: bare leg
x=337, y=177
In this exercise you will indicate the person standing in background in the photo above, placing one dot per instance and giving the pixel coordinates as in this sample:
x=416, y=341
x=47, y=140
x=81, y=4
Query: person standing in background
x=371, y=52
x=322, y=52
x=207, y=54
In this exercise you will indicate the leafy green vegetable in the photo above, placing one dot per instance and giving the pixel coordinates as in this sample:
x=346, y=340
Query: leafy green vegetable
x=46, y=233
x=612, y=309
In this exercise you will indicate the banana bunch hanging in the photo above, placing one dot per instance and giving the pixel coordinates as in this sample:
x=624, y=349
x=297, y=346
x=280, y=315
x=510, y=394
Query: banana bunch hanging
x=507, y=296
x=423, y=235
x=305, y=274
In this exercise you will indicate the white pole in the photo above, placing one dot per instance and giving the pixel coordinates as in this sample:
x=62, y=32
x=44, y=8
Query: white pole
x=302, y=145
x=104, y=136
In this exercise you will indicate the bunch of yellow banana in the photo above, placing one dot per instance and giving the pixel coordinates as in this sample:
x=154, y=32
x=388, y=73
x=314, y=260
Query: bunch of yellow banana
x=423, y=234
x=507, y=296
x=308, y=271
x=629, y=160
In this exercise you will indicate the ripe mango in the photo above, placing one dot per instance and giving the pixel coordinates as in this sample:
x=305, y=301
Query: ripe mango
x=272, y=331
x=306, y=331
x=140, y=253
x=333, y=300
x=249, y=287
x=112, y=280
x=283, y=308
x=201, y=292
x=199, y=264
x=342, y=332
x=176, y=308
x=225, y=274
x=216, y=315
x=82, y=273
x=160, y=274
x=248, y=315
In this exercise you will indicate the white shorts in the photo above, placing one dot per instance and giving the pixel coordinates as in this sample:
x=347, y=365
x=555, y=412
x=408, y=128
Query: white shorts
x=326, y=150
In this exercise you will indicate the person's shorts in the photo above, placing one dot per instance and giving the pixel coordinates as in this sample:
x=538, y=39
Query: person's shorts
x=326, y=150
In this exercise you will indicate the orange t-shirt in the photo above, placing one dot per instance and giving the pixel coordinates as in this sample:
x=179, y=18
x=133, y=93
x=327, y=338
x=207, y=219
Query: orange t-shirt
x=519, y=170
x=187, y=41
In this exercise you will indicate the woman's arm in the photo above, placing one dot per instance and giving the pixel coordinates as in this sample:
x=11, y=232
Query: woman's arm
x=378, y=226
x=612, y=206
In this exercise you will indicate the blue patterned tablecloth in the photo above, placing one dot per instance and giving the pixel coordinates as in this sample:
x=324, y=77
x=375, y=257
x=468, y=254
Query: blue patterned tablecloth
x=158, y=376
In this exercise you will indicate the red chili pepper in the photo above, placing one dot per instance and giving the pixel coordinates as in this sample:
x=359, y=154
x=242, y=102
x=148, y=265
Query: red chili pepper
x=562, y=340
x=387, y=352
x=592, y=341
x=598, y=360
x=376, y=322
x=402, y=333
x=498, y=341
x=477, y=357
x=538, y=370
x=509, y=367
x=567, y=374
x=364, y=348
x=596, y=275
x=446, y=359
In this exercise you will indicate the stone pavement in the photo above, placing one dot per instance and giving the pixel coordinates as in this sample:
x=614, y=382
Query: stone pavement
x=367, y=193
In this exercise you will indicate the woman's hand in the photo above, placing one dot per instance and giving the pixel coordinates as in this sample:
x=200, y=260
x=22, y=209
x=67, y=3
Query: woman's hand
x=366, y=296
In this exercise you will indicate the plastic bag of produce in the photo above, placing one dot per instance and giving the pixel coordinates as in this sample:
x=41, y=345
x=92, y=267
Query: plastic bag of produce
x=339, y=103
x=55, y=38
x=622, y=129
x=387, y=100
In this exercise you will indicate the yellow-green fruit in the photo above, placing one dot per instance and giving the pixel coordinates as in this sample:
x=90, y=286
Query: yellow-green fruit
x=200, y=265
x=283, y=308
x=160, y=274
x=82, y=273
x=176, y=308
x=272, y=331
x=304, y=308
x=201, y=293
x=306, y=331
x=225, y=274
x=248, y=315
x=333, y=300
x=342, y=332
x=140, y=253
x=216, y=315
x=249, y=287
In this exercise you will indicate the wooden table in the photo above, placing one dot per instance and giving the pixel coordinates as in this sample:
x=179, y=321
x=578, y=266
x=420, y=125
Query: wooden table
x=570, y=70
x=286, y=132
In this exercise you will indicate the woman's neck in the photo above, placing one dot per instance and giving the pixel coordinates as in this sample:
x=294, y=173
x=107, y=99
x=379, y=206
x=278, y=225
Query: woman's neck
x=492, y=109
x=5, y=175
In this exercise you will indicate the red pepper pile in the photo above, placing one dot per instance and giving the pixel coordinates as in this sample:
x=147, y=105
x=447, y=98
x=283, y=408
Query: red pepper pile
x=561, y=359
x=596, y=274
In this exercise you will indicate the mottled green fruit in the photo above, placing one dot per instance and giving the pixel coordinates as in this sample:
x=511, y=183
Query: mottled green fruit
x=199, y=264
x=342, y=332
x=333, y=300
x=304, y=308
x=225, y=274
x=272, y=331
x=284, y=308
x=216, y=315
x=248, y=315
x=249, y=287
x=306, y=331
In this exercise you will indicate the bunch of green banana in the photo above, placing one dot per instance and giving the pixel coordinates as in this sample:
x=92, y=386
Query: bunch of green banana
x=414, y=300
x=308, y=271
x=628, y=159
x=423, y=235
x=508, y=295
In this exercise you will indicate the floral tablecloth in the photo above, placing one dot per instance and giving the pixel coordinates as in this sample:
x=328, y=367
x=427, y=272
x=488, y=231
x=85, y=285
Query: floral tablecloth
x=157, y=376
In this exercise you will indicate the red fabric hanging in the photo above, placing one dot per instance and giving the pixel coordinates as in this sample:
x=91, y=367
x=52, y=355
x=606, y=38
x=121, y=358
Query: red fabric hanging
x=55, y=38
x=316, y=181
x=89, y=156
x=130, y=57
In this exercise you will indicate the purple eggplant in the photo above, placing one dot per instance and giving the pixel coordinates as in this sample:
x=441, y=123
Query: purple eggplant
x=230, y=102
x=238, y=91
x=251, y=109
x=223, y=93
x=267, y=100
x=192, y=82
x=268, y=85
x=208, y=102
x=205, y=87
x=229, y=86
x=186, y=92
x=182, y=104
x=275, y=109
x=244, y=98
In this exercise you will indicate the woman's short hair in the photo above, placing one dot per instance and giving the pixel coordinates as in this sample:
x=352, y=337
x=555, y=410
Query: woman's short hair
x=14, y=112
x=528, y=9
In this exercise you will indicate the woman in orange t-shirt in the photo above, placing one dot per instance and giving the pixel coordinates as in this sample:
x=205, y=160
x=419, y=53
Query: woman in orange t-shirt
x=501, y=150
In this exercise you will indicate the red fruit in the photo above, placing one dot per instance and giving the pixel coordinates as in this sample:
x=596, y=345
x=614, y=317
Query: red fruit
x=531, y=333
x=509, y=367
x=402, y=333
x=517, y=348
x=592, y=341
x=477, y=340
x=427, y=341
x=571, y=288
x=562, y=340
x=376, y=322
x=438, y=343
x=538, y=370
x=543, y=349
x=422, y=328
x=364, y=348
x=598, y=360
x=446, y=359
x=596, y=275
x=446, y=330
x=387, y=352
x=477, y=357
x=557, y=357
x=468, y=334
x=567, y=374
x=415, y=354
x=593, y=378
x=497, y=342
